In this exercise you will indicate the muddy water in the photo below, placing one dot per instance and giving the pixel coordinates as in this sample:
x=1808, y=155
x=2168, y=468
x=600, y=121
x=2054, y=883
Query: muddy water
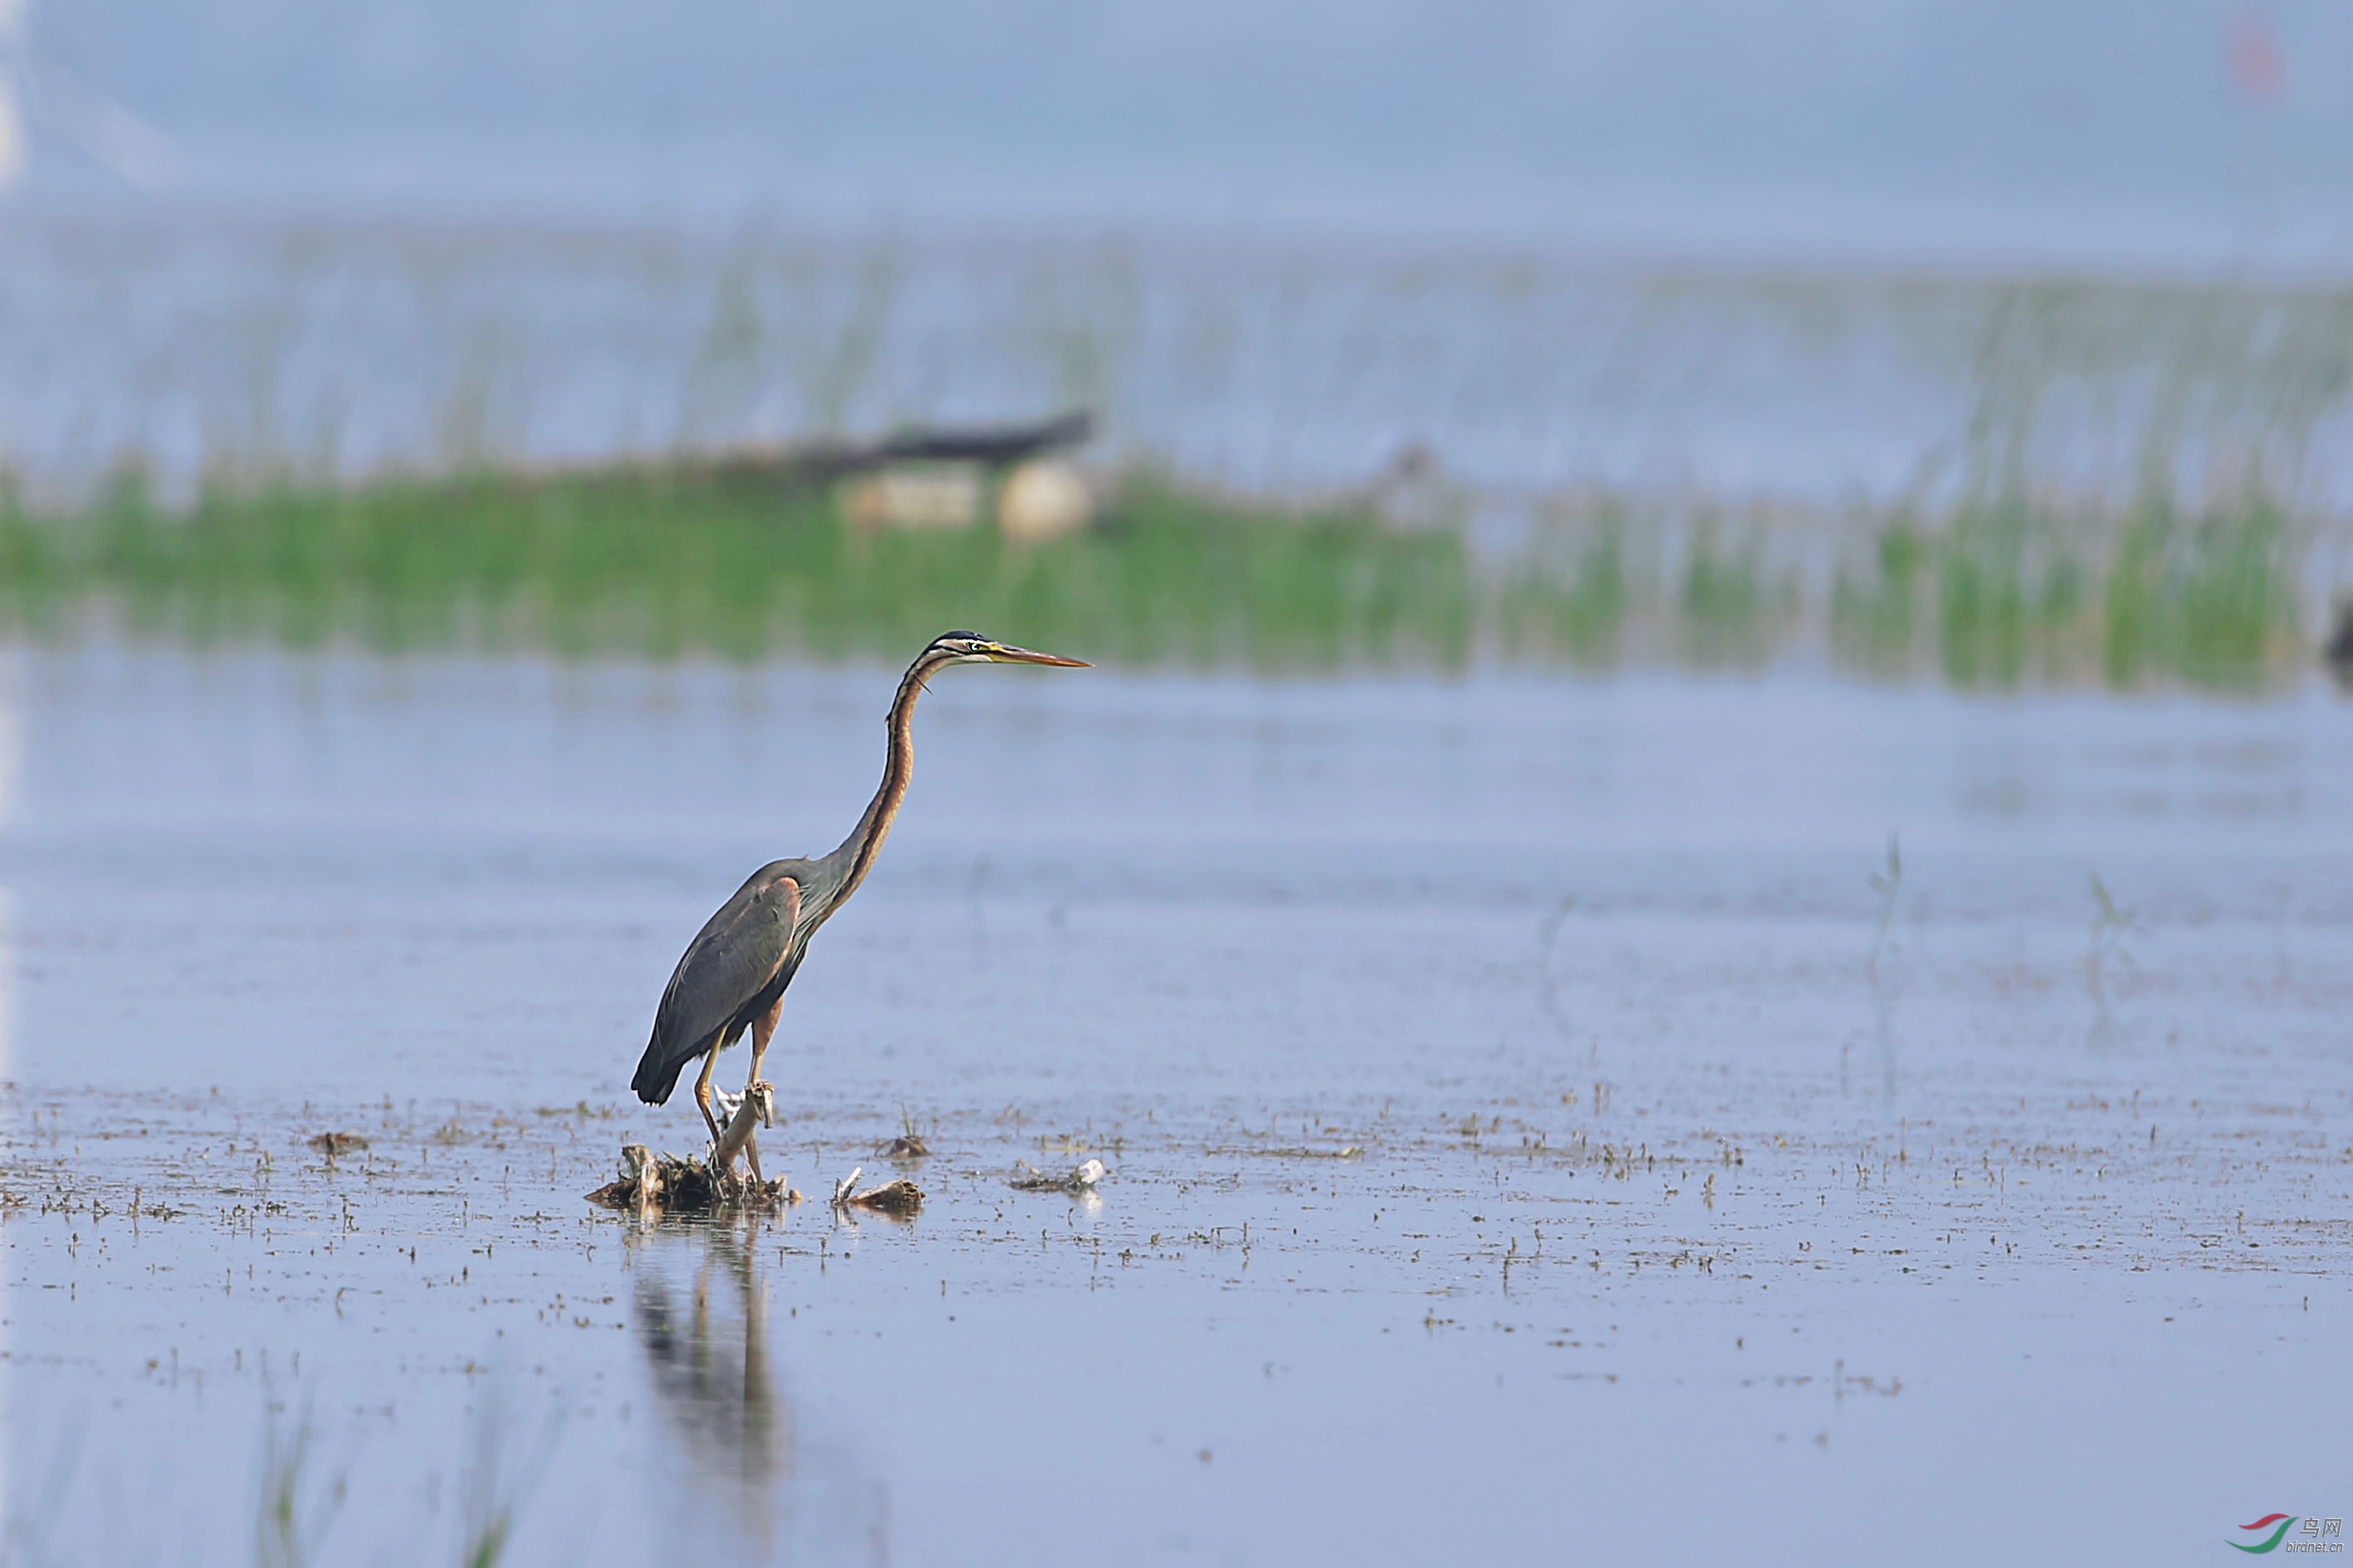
x=1531, y=1130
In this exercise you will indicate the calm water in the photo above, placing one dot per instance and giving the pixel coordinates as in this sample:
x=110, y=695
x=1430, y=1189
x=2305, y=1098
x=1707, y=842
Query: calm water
x=1737, y=1207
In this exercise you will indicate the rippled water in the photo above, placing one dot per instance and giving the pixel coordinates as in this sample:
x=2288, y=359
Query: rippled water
x=1531, y=1130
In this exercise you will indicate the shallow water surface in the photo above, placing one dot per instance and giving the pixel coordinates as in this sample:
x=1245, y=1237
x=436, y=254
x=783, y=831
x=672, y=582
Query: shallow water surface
x=1531, y=1128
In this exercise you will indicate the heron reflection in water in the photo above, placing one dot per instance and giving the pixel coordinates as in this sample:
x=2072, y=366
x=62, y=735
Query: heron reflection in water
x=733, y=974
x=720, y=1399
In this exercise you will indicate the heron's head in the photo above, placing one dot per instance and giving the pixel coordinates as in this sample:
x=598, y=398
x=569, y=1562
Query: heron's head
x=971, y=648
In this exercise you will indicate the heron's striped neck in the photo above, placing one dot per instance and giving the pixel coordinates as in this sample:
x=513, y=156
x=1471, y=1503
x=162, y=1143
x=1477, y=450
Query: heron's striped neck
x=858, y=851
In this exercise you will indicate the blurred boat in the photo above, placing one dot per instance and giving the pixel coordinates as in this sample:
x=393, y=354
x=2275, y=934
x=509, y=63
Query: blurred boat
x=936, y=477
x=989, y=448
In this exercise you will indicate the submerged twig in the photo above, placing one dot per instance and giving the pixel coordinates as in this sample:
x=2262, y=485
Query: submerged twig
x=1547, y=934
x=1889, y=885
x=2110, y=926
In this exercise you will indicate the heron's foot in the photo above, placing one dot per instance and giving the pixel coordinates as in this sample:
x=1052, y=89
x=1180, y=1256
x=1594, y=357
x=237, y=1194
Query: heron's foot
x=724, y=1106
x=752, y=1158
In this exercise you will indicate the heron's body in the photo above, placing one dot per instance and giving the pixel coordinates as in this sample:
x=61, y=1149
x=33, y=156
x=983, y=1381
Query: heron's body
x=734, y=973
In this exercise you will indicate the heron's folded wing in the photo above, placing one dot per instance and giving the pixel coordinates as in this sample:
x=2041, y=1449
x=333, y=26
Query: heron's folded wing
x=731, y=961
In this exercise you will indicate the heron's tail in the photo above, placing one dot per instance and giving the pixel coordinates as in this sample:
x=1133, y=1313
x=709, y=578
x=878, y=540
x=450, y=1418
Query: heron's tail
x=657, y=1074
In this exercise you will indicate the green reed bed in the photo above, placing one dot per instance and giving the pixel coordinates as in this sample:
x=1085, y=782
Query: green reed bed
x=728, y=558
x=1999, y=595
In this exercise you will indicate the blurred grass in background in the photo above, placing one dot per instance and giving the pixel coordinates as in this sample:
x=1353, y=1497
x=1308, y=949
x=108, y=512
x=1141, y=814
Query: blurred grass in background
x=1997, y=595
x=404, y=439
x=723, y=558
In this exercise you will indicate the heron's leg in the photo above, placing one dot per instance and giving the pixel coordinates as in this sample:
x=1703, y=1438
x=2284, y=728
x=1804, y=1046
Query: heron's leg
x=702, y=1092
x=764, y=1029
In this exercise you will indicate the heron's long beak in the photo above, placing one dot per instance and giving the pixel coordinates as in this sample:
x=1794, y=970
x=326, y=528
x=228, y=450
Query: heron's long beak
x=1003, y=653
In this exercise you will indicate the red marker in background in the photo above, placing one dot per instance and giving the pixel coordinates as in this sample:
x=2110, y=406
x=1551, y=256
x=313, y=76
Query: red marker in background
x=2258, y=68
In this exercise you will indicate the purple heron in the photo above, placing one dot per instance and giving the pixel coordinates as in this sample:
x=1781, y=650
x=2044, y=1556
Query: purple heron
x=735, y=972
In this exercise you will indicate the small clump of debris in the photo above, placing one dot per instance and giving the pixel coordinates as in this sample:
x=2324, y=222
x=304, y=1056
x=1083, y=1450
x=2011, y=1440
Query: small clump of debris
x=334, y=1143
x=908, y=1145
x=898, y=1199
x=675, y=1184
x=1028, y=1178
